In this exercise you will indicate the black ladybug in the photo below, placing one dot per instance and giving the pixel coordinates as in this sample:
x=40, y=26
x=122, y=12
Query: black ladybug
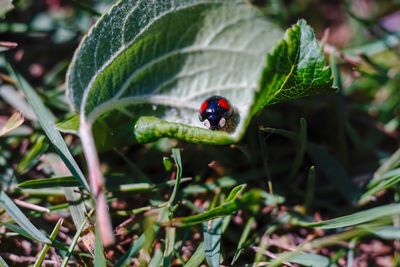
x=214, y=112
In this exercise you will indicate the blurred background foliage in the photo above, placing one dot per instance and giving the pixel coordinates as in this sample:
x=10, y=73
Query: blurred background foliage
x=352, y=134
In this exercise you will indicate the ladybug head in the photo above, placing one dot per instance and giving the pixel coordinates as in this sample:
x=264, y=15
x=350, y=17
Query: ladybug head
x=214, y=122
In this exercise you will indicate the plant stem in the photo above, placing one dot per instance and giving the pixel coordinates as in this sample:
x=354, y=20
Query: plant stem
x=97, y=184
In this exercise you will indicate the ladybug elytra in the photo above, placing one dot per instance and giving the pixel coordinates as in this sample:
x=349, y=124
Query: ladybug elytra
x=214, y=112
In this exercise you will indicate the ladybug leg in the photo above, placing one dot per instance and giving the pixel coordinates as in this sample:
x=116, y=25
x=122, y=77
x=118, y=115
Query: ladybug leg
x=230, y=112
x=201, y=118
x=207, y=124
x=222, y=122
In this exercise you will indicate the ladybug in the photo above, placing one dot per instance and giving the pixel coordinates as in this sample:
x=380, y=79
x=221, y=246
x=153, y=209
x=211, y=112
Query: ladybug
x=214, y=112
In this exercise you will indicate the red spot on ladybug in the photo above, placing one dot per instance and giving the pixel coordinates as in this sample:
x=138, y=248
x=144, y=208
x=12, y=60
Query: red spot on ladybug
x=222, y=102
x=203, y=106
x=214, y=112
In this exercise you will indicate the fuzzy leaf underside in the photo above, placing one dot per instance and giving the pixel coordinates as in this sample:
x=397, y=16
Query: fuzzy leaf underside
x=137, y=78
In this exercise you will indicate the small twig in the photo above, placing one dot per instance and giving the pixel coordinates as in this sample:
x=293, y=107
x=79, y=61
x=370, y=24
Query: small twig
x=279, y=244
x=26, y=259
x=8, y=45
x=7, y=79
x=332, y=50
x=271, y=255
x=31, y=206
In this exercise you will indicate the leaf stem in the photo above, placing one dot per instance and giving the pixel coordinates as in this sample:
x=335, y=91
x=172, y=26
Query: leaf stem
x=97, y=184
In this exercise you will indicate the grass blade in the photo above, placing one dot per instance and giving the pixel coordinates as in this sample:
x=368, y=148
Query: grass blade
x=30, y=159
x=46, y=247
x=17, y=229
x=46, y=120
x=310, y=259
x=178, y=161
x=197, y=257
x=331, y=168
x=355, y=218
x=99, y=259
x=135, y=248
x=3, y=263
x=169, y=245
x=310, y=189
x=388, y=232
x=322, y=242
x=243, y=238
x=19, y=217
x=143, y=187
x=301, y=148
x=12, y=97
x=73, y=244
x=382, y=185
x=75, y=199
x=249, y=200
x=12, y=123
x=389, y=164
x=66, y=181
x=222, y=183
x=145, y=240
x=212, y=241
x=157, y=258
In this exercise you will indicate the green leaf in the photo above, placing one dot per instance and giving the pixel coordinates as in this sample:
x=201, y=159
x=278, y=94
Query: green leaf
x=355, y=218
x=295, y=68
x=46, y=120
x=67, y=181
x=71, y=125
x=32, y=156
x=19, y=217
x=235, y=193
x=147, y=77
x=248, y=200
x=212, y=241
x=310, y=259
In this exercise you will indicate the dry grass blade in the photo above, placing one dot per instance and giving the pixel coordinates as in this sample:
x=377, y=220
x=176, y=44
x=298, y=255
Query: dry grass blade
x=12, y=123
